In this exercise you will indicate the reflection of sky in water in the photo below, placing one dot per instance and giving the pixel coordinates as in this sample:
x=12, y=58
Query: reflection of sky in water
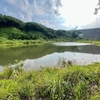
x=52, y=59
x=70, y=44
x=78, y=53
x=1, y=68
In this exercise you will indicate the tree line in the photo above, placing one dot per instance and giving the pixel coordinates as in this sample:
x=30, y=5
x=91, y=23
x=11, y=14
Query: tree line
x=29, y=30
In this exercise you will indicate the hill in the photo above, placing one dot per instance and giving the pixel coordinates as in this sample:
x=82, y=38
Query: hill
x=12, y=28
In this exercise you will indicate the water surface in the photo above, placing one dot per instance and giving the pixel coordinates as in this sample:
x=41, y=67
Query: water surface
x=49, y=54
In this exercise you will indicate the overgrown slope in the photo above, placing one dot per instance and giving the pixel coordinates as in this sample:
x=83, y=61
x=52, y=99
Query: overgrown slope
x=12, y=28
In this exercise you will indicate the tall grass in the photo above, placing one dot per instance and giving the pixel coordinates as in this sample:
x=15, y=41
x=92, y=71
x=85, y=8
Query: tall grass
x=4, y=43
x=58, y=83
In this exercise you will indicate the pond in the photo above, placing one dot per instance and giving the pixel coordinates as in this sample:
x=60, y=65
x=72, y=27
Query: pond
x=51, y=54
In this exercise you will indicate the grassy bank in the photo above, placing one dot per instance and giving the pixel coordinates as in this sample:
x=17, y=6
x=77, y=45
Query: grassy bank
x=66, y=82
x=96, y=42
x=13, y=43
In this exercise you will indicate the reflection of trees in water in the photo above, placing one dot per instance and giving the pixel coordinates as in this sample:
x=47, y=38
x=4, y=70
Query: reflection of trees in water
x=64, y=48
x=93, y=49
x=9, y=55
x=22, y=53
x=79, y=48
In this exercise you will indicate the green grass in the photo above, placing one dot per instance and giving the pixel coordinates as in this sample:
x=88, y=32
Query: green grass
x=67, y=82
x=96, y=42
x=5, y=43
x=4, y=32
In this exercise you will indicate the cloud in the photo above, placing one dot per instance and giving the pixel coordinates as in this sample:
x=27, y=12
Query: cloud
x=46, y=23
x=21, y=16
x=9, y=12
x=58, y=3
x=20, y=7
x=94, y=24
x=57, y=6
x=37, y=7
x=45, y=12
x=11, y=1
x=58, y=14
x=52, y=6
x=70, y=27
x=96, y=9
x=5, y=9
x=27, y=9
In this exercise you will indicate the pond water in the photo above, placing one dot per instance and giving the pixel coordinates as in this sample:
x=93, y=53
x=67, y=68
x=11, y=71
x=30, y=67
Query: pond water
x=51, y=54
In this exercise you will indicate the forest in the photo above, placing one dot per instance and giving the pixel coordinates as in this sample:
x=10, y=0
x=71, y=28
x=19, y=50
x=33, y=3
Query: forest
x=13, y=28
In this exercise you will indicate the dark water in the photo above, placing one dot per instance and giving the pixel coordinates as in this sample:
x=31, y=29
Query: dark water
x=49, y=54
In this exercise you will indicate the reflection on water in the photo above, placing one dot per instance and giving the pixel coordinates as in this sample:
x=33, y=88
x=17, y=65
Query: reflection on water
x=70, y=44
x=52, y=59
x=1, y=68
x=49, y=54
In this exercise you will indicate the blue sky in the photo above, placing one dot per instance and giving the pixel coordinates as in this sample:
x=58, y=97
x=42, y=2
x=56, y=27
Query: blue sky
x=57, y=14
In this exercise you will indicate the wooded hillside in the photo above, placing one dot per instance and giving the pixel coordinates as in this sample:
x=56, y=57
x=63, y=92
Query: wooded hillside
x=13, y=28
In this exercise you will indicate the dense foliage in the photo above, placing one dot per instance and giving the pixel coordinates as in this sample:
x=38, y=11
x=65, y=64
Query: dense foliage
x=12, y=28
x=65, y=82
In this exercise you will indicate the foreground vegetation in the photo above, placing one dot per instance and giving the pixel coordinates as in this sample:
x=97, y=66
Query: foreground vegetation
x=65, y=82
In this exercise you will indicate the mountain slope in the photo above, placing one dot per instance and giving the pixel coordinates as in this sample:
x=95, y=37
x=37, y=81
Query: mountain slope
x=12, y=28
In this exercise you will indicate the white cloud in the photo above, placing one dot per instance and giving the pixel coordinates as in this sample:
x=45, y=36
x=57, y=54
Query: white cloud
x=52, y=6
x=71, y=12
x=46, y=23
x=11, y=1
x=94, y=24
x=9, y=12
x=27, y=10
x=5, y=9
x=48, y=6
x=21, y=16
x=78, y=12
x=39, y=11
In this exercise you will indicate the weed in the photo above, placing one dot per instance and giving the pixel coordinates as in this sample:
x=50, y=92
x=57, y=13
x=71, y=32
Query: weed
x=58, y=83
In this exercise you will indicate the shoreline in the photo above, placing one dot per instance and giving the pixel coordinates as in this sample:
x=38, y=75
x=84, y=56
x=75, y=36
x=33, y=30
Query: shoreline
x=20, y=43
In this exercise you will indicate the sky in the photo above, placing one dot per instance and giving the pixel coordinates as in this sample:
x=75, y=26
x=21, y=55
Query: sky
x=56, y=14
